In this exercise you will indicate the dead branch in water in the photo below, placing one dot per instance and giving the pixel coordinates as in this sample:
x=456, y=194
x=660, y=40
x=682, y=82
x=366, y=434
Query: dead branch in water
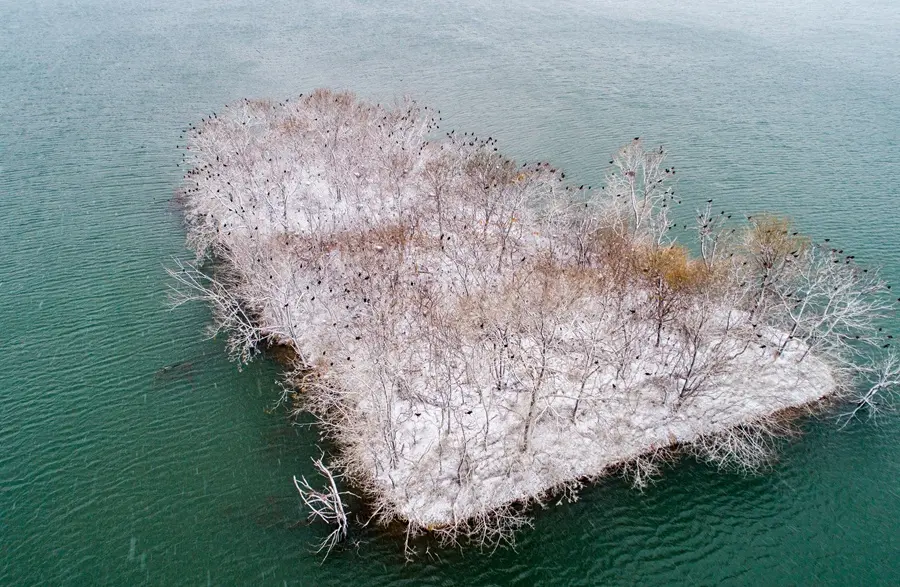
x=325, y=505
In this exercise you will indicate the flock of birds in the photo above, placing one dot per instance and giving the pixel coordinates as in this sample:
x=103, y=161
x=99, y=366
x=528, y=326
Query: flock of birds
x=471, y=140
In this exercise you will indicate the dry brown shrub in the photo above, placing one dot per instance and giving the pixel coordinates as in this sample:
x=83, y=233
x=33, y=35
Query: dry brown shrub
x=770, y=240
x=324, y=99
x=672, y=268
x=614, y=252
x=293, y=126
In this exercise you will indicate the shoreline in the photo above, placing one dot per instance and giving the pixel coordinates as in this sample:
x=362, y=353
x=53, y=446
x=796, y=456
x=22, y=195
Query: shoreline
x=788, y=419
x=473, y=333
x=669, y=455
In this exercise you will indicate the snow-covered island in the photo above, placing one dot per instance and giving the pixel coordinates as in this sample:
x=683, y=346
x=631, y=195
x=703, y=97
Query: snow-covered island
x=476, y=334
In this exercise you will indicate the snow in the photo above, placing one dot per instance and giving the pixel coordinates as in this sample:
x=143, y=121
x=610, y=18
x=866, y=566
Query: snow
x=453, y=342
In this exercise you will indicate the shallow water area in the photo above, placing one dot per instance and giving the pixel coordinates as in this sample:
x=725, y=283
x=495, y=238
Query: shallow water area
x=118, y=464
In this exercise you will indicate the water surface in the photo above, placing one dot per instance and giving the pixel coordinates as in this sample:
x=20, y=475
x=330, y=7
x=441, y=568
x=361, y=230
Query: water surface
x=133, y=452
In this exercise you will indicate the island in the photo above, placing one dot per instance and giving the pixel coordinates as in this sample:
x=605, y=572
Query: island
x=476, y=335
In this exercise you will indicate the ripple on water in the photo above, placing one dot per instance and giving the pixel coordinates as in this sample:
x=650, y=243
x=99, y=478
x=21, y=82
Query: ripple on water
x=110, y=474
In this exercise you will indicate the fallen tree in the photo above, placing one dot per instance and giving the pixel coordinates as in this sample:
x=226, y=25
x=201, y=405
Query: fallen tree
x=475, y=334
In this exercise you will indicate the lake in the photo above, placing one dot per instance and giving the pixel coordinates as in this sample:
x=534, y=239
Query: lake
x=133, y=452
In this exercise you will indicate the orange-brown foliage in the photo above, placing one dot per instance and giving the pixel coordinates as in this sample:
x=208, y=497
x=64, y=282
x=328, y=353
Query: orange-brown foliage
x=672, y=267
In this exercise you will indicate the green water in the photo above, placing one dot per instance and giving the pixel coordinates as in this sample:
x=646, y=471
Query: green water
x=116, y=470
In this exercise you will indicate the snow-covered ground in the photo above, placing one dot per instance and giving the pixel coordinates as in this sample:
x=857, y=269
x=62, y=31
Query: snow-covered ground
x=465, y=334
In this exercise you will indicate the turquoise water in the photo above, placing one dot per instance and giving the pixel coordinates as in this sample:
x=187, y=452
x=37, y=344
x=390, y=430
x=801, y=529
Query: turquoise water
x=115, y=469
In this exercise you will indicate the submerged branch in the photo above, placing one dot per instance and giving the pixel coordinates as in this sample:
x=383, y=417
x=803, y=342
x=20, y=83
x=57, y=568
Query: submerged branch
x=325, y=505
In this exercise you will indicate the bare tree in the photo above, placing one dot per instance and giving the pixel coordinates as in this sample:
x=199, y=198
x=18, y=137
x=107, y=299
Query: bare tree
x=770, y=248
x=829, y=304
x=883, y=384
x=641, y=181
x=475, y=334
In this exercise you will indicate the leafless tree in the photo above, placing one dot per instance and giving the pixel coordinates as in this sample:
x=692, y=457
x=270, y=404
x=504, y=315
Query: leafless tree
x=475, y=334
x=640, y=180
x=883, y=382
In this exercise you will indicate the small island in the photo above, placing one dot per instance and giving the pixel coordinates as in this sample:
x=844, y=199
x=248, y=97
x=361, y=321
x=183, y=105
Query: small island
x=476, y=334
